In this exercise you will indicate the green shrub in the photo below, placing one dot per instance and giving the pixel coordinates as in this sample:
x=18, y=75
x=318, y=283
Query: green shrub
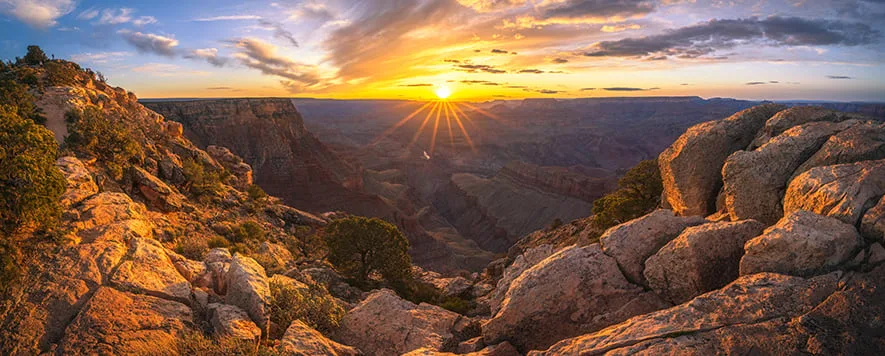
x=30, y=183
x=556, y=223
x=255, y=192
x=359, y=246
x=194, y=342
x=202, y=180
x=247, y=232
x=639, y=193
x=312, y=305
x=456, y=304
x=91, y=132
x=218, y=242
x=35, y=56
x=192, y=248
x=61, y=73
x=20, y=99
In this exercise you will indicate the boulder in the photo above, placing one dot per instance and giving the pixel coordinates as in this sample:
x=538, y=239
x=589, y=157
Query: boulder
x=300, y=339
x=872, y=226
x=522, y=263
x=233, y=164
x=701, y=259
x=147, y=269
x=276, y=255
x=214, y=275
x=877, y=254
x=502, y=349
x=862, y=142
x=247, y=288
x=120, y=323
x=173, y=129
x=843, y=191
x=691, y=168
x=755, y=181
x=333, y=282
x=801, y=244
x=752, y=311
x=574, y=291
x=385, y=324
x=230, y=321
x=104, y=209
x=796, y=116
x=156, y=192
x=80, y=184
x=633, y=242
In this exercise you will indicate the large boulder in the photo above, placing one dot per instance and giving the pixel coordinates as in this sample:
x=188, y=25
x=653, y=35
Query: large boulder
x=755, y=181
x=385, y=324
x=801, y=244
x=80, y=184
x=156, y=192
x=752, y=311
x=149, y=270
x=241, y=170
x=796, y=116
x=120, y=323
x=701, y=259
x=872, y=225
x=862, y=142
x=633, y=242
x=575, y=291
x=302, y=340
x=247, y=288
x=691, y=167
x=520, y=264
x=231, y=321
x=843, y=191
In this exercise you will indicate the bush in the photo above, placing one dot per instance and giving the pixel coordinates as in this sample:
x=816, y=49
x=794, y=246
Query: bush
x=35, y=56
x=312, y=305
x=202, y=181
x=20, y=100
x=93, y=133
x=194, y=342
x=255, y=192
x=639, y=193
x=192, y=248
x=359, y=246
x=218, y=242
x=247, y=232
x=556, y=223
x=30, y=183
x=61, y=73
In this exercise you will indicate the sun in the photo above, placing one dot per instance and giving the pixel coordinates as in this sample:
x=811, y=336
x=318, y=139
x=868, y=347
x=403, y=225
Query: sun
x=443, y=92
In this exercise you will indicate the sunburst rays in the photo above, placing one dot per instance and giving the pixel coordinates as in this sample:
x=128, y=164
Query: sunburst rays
x=434, y=112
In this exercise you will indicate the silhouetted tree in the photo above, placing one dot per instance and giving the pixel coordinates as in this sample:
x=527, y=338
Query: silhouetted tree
x=359, y=246
x=35, y=56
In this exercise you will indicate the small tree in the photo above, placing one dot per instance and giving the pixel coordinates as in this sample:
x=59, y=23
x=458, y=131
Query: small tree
x=35, y=56
x=639, y=193
x=359, y=246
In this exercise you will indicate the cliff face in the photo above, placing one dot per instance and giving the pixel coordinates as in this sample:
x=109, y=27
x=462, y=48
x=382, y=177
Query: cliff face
x=561, y=180
x=288, y=160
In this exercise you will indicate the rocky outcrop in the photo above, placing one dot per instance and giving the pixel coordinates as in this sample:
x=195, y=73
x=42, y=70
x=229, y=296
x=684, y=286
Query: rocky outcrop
x=234, y=164
x=754, y=181
x=247, y=288
x=80, y=184
x=522, y=263
x=502, y=349
x=861, y=142
x=728, y=320
x=873, y=224
x=149, y=270
x=300, y=339
x=801, y=244
x=576, y=290
x=701, y=259
x=798, y=116
x=843, y=191
x=691, y=167
x=385, y=324
x=230, y=321
x=117, y=323
x=633, y=242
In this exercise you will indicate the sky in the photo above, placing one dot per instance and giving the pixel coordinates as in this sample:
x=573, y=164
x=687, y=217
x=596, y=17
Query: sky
x=478, y=49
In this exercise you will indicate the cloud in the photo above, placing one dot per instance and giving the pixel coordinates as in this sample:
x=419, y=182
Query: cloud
x=476, y=68
x=559, y=60
x=582, y=12
x=279, y=31
x=587, y=89
x=839, y=77
x=228, y=18
x=260, y=55
x=417, y=85
x=165, y=70
x=144, y=20
x=209, y=55
x=708, y=37
x=312, y=11
x=88, y=14
x=492, y=5
x=115, y=17
x=41, y=14
x=531, y=71
x=628, y=89
x=150, y=43
x=619, y=28
x=452, y=61
x=99, y=58
x=756, y=83
x=500, y=51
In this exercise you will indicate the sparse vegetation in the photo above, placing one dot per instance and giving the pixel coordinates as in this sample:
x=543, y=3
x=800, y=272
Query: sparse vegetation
x=202, y=180
x=311, y=304
x=18, y=99
x=195, y=342
x=94, y=133
x=192, y=248
x=360, y=246
x=255, y=192
x=248, y=232
x=638, y=194
x=30, y=186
